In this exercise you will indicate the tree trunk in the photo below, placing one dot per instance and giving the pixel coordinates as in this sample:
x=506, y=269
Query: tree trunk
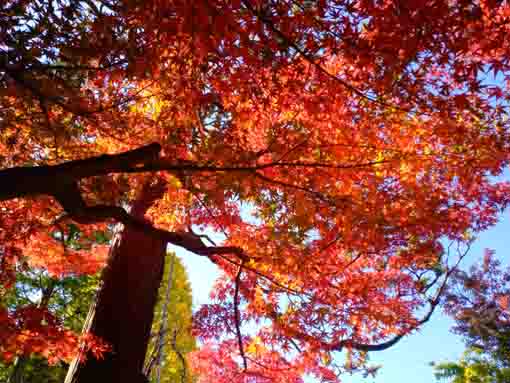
x=123, y=312
x=17, y=375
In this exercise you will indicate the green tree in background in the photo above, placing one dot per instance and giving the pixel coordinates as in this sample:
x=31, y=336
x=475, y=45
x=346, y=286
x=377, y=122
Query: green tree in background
x=479, y=300
x=175, y=338
x=67, y=298
x=70, y=297
x=473, y=367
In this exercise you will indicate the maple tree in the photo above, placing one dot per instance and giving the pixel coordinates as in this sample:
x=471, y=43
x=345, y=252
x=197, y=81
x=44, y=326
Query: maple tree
x=123, y=312
x=478, y=300
x=336, y=144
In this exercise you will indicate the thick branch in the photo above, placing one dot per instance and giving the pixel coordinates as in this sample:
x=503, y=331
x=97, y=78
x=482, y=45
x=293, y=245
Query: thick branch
x=434, y=302
x=384, y=345
x=188, y=241
x=24, y=181
x=61, y=182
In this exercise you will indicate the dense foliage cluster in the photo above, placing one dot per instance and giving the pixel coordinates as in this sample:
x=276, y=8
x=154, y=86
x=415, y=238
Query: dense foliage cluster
x=338, y=145
x=479, y=302
x=69, y=298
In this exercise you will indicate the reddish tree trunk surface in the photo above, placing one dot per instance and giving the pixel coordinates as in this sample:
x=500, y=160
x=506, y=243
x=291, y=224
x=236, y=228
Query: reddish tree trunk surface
x=123, y=312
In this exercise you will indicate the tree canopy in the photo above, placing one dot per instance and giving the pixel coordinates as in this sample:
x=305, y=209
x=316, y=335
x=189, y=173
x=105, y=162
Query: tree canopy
x=339, y=146
x=66, y=298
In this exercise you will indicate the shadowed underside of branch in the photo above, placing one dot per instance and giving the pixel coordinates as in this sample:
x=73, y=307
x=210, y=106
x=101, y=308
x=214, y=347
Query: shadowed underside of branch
x=61, y=182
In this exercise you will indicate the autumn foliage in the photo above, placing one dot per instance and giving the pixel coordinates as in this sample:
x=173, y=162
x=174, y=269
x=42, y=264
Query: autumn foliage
x=337, y=145
x=478, y=301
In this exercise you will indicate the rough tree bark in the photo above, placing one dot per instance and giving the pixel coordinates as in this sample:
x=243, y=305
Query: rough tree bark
x=123, y=312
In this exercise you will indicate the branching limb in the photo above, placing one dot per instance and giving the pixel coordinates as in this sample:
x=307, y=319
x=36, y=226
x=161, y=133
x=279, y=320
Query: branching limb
x=188, y=241
x=52, y=180
x=204, y=236
x=24, y=181
x=434, y=302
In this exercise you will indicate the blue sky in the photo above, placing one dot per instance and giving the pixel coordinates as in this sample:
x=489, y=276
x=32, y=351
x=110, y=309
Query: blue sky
x=409, y=359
